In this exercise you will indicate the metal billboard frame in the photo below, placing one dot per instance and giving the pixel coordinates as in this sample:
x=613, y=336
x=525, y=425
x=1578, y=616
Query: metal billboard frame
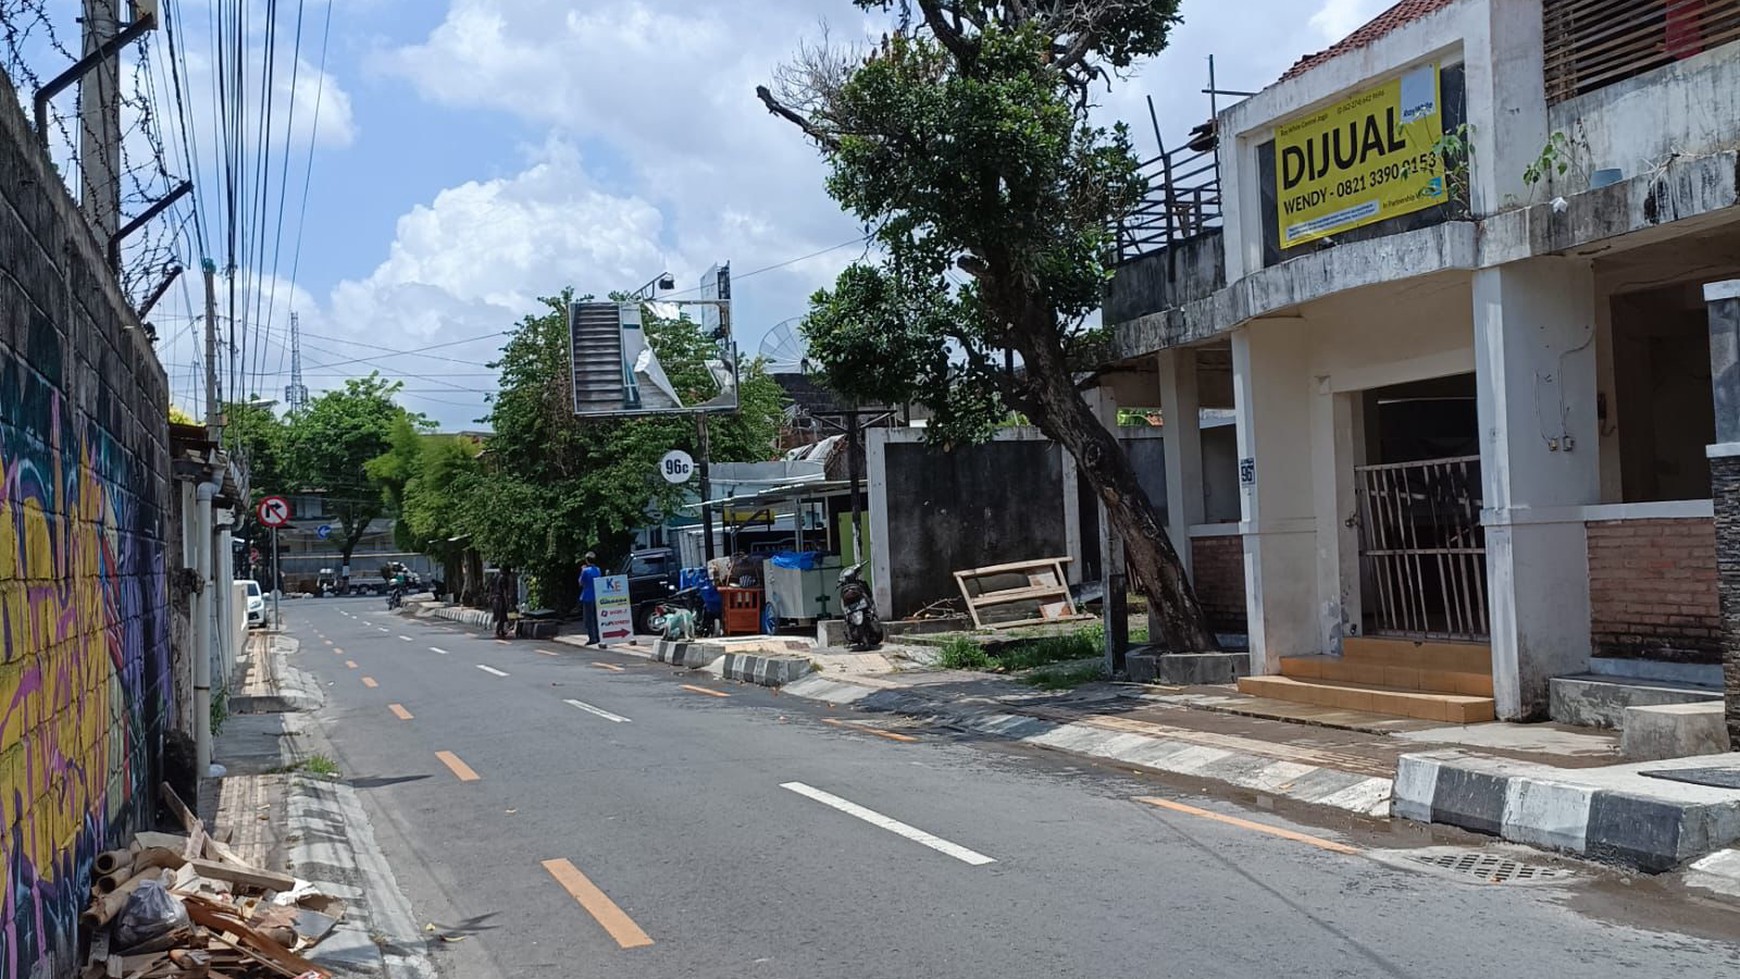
x=716, y=292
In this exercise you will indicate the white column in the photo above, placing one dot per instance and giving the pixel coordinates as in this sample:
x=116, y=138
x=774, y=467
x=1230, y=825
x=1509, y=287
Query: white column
x=1271, y=385
x=1182, y=411
x=1337, y=428
x=1534, y=349
x=881, y=548
x=1072, y=534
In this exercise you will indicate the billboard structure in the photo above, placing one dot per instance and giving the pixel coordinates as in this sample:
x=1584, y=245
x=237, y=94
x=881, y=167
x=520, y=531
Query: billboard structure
x=617, y=372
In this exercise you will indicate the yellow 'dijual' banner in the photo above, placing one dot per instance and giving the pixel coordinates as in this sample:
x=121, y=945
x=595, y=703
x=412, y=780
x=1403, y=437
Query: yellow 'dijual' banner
x=1362, y=160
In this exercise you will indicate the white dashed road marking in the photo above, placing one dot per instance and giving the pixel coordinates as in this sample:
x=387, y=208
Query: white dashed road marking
x=588, y=708
x=890, y=824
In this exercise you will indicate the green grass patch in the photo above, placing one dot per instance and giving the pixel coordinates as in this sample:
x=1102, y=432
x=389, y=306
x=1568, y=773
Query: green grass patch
x=316, y=764
x=1066, y=677
x=961, y=653
x=1045, y=650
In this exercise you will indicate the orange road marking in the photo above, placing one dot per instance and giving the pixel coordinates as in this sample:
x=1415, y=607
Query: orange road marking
x=351, y=663
x=1285, y=834
x=867, y=729
x=711, y=693
x=369, y=681
x=399, y=711
x=612, y=667
x=545, y=652
x=602, y=909
x=458, y=767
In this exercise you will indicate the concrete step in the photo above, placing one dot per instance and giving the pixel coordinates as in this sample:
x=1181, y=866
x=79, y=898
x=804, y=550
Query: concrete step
x=1449, y=707
x=1595, y=700
x=1336, y=669
x=1454, y=657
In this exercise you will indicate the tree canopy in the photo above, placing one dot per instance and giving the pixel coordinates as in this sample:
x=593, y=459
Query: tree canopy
x=329, y=444
x=964, y=144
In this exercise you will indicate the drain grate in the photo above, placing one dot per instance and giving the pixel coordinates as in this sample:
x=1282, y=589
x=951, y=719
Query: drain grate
x=1489, y=867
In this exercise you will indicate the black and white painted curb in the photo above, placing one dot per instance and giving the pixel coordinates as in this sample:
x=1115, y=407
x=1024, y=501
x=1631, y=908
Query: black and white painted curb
x=1364, y=794
x=763, y=668
x=1612, y=814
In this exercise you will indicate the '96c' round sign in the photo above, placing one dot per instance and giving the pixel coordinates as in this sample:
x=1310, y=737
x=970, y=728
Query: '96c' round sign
x=676, y=466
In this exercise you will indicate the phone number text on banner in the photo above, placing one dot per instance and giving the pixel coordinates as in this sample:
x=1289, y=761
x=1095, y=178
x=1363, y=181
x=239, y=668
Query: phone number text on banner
x=1370, y=157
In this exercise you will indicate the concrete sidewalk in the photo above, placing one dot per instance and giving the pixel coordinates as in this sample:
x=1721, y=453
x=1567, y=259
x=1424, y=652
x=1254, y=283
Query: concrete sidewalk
x=280, y=818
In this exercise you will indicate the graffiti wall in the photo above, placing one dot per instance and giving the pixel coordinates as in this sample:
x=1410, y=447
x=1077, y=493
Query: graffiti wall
x=85, y=688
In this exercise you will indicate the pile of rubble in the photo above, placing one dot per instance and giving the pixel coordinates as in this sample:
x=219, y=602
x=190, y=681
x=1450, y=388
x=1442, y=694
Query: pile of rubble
x=186, y=906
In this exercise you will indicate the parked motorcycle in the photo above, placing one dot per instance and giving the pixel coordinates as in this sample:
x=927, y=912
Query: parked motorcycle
x=863, y=628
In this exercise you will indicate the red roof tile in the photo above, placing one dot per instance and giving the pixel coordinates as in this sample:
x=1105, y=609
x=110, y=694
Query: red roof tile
x=1400, y=15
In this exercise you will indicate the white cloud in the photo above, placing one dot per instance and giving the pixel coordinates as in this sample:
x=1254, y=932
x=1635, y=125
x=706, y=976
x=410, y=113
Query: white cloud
x=1339, y=18
x=689, y=168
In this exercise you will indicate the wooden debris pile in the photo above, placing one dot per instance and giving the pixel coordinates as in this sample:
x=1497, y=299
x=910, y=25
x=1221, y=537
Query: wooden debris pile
x=175, y=906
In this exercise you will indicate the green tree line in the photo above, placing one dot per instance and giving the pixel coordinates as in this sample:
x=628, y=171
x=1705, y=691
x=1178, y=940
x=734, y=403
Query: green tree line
x=536, y=492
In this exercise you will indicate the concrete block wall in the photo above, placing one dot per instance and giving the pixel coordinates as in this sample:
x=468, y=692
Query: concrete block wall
x=1217, y=567
x=85, y=662
x=1652, y=590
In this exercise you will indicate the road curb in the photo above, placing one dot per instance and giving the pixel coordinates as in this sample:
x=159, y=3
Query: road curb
x=331, y=843
x=767, y=671
x=1607, y=814
x=1366, y=795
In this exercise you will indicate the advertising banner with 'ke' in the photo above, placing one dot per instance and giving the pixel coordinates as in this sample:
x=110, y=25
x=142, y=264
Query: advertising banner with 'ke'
x=1367, y=158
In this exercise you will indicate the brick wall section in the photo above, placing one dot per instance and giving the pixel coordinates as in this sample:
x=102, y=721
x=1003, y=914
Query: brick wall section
x=1652, y=590
x=1217, y=567
x=84, y=635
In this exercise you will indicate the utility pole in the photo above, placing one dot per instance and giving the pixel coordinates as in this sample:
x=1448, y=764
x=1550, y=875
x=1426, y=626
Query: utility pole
x=853, y=477
x=100, y=123
x=213, y=419
x=706, y=487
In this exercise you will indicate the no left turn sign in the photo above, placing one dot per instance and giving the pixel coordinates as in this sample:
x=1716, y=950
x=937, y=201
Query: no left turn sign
x=273, y=511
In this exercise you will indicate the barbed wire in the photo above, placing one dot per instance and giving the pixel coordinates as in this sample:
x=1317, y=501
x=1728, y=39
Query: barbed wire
x=34, y=49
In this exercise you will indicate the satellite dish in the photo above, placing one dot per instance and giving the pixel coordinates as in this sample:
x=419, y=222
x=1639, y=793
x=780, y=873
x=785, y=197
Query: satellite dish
x=784, y=348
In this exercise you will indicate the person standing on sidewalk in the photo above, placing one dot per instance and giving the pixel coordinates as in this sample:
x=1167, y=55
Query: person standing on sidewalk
x=499, y=598
x=589, y=574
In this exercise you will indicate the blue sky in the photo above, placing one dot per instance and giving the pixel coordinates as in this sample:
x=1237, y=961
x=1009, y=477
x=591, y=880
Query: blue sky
x=472, y=155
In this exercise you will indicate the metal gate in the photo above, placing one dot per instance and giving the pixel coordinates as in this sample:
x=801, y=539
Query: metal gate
x=1422, y=549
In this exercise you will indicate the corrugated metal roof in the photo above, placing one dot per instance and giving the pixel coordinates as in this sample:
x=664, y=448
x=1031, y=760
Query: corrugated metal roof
x=1400, y=15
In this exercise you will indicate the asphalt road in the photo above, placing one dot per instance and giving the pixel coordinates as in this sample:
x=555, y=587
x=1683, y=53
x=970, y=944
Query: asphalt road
x=570, y=812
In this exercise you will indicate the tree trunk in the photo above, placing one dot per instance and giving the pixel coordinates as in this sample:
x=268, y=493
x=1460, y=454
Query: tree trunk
x=1050, y=397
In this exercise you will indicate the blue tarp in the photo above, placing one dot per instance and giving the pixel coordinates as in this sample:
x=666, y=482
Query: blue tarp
x=798, y=560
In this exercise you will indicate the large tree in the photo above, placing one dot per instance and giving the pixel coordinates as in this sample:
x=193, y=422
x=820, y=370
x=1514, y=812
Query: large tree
x=424, y=478
x=330, y=443
x=964, y=144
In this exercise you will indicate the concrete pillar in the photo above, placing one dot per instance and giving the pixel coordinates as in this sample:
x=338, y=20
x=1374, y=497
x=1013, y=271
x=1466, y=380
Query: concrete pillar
x=1724, y=304
x=1271, y=386
x=100, y=124
x=1338, y=433
x=1182, y=412
x=1534, y=351
x=1114, y=609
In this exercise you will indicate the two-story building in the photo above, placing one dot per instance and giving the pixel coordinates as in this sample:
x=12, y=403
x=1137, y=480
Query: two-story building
x=1448, y=276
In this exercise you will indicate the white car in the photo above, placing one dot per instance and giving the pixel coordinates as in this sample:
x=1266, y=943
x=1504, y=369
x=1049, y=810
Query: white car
x=256, y=604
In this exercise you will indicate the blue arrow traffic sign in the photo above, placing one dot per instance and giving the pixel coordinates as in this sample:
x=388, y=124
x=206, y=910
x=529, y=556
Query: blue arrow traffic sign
x=323, y=531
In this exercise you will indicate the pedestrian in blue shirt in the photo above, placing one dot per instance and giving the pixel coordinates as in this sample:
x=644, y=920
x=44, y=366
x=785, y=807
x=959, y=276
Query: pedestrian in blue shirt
x=589, y=573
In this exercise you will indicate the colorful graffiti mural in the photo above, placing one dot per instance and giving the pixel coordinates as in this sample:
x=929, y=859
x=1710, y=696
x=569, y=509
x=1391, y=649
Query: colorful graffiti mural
x=85, y=681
